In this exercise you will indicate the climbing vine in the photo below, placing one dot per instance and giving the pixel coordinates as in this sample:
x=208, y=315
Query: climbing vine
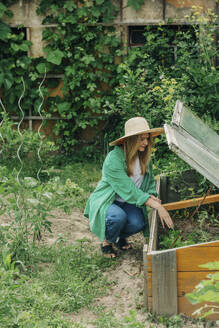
x=102, y=88
x=80, y=49
x=85, y=51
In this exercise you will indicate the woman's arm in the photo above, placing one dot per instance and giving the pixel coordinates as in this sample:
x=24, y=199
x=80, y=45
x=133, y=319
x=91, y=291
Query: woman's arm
x=164, y=215
x=155, y=198
x=114, y=173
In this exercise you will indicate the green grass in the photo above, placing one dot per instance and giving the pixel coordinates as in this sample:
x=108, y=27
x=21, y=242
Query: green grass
x=64, y=279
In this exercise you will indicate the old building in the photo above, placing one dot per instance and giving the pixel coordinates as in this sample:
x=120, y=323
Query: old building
x=129, y=21
x=129, y=24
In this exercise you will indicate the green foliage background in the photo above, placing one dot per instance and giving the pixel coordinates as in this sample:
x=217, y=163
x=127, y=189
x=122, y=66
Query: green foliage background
x=98, y=91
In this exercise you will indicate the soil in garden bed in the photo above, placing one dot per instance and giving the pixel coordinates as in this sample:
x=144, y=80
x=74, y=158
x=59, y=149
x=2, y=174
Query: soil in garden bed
x=189, y=229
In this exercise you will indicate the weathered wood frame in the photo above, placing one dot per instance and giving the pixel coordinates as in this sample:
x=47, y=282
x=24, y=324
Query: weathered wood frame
x=194, y=142
x=170, y=274
x=191, y=202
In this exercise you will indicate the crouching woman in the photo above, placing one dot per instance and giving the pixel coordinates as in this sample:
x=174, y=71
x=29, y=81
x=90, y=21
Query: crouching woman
x=117, y=207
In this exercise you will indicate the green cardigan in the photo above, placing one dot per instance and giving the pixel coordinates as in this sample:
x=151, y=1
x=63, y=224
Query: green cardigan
x=116, y=181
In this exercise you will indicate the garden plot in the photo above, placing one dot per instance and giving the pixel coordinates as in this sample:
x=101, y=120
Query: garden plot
x=191, y=224
x=172, y=273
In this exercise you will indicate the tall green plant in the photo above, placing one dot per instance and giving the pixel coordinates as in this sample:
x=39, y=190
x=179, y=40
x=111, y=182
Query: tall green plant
x=196, y=65
x=28, y=207
x=34, y=153
x=28, y=204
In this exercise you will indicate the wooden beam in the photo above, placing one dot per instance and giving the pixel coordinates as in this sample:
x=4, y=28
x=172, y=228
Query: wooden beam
x=199, y=253
x=164, y=283
x=191, y=202
x=145, y=270
x=153, y=221
x=38, y=118
x=142, y=23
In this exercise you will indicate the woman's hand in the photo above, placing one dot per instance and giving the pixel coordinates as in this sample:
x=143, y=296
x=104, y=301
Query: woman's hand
x=165, y=217
x=163, y=214
x=156, y=199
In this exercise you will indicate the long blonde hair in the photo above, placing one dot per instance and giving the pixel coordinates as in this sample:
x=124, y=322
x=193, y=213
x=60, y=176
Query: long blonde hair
x=131, y=145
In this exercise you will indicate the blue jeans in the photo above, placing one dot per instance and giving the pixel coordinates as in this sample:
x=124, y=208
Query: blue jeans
x=123, y=220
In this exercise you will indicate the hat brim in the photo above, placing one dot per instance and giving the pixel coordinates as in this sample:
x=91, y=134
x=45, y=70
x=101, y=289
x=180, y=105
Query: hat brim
x=155, y=132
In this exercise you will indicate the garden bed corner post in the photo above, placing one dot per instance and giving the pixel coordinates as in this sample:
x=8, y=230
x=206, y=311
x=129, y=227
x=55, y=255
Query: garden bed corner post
x=164, y=283
x=145, y=270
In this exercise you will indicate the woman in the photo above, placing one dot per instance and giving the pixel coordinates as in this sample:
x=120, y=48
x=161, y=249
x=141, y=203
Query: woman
x=117, y=207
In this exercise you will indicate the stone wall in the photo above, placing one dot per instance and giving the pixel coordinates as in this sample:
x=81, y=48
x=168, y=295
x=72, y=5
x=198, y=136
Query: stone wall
x=153, y=12
x=25, y=14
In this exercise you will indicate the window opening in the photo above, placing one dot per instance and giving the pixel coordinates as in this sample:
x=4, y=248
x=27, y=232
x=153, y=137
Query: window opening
x=137, y=38
x=19, y=30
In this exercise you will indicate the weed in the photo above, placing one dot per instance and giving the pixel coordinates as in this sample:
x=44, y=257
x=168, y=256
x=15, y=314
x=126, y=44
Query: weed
x=167, y=240
x=175, y=321
x=107, y=320
x=132, y=322
x=31, y=143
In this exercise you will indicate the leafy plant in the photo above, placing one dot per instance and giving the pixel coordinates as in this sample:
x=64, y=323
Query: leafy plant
x=34, y=153
x=136, y=4
x=175, y=321
x=167, y=240
x=28, y=203
x=131, y=320
x=28, y=207
x=206, y=291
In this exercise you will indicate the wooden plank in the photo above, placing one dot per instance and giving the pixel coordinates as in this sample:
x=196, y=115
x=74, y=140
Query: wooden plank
x=199, y=130
x=186, y=281
x=149, y=284
x=164, y=283
x=39, y=118
x=145, y=276
x=149, y=263
x=193, y=152
x=209, y=244
x=185, y=307
x=189, y=259
x=150, y=304
x=152, y=245
x=191, y=202
x=199, y=253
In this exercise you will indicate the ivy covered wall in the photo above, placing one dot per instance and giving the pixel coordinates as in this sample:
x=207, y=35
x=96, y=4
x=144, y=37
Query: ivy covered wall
x=81, y=46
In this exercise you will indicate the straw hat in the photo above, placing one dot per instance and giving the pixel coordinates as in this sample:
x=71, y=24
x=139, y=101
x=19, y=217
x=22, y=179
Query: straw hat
x=135, y=126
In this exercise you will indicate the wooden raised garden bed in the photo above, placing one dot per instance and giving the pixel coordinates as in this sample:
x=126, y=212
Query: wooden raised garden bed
x=171, y=273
